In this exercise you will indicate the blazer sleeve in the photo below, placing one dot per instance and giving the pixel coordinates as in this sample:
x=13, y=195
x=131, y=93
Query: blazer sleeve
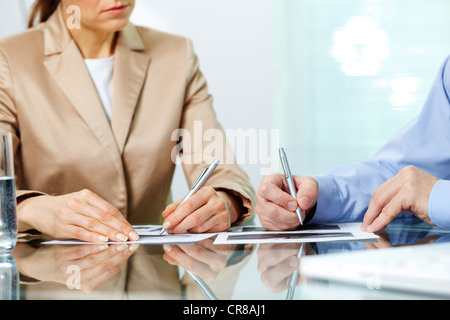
x=9, y=121
x=203, y=139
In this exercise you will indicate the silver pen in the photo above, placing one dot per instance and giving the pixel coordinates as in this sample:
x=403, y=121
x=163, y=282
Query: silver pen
x=290, y=182
x=294, y=277
x=198, y=184
x=207, y=292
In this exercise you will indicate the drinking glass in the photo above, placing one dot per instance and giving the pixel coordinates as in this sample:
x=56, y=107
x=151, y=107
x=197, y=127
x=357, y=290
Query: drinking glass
x=8, y=217
x=9, y=278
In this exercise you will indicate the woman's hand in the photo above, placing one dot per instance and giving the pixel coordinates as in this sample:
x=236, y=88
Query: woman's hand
x=82, y=267
x=203, y=258
x=81, y=215
x=207, y=210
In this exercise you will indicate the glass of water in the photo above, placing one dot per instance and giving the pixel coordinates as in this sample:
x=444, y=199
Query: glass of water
x=9, y=278
x=8, y=221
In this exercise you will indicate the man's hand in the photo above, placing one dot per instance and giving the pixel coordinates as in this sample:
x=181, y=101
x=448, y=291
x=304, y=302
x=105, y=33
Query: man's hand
x=275, y=206
x=408, y=191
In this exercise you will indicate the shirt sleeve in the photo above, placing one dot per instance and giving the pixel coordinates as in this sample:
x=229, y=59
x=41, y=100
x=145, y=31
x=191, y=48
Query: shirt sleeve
x=345, y=191
x=439, y=204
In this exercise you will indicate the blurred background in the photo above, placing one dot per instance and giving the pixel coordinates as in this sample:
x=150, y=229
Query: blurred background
x=330, y=81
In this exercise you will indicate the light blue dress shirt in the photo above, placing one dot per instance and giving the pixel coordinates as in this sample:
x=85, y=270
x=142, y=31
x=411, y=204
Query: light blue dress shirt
x=345, y=191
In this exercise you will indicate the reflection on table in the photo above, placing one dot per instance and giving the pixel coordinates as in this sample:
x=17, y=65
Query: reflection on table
x=197, y=271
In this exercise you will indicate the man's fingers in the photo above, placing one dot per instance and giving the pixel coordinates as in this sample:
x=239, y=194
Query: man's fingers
x=380, y=198
x=272, y=189
x=274, y=217
x=307, y=191
x=390, y=211
x=275, y=206
x=385, y=205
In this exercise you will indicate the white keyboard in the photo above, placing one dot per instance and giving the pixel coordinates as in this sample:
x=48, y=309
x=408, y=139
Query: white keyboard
x=419, y=268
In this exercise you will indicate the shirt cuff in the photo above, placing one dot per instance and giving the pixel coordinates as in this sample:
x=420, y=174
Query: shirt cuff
x=439, y=204
x=328, y=200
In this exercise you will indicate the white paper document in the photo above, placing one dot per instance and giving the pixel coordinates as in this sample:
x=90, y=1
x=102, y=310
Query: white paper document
x=150, y=234
x=308, y=233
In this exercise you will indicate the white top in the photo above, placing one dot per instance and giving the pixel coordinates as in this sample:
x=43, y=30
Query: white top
x=102, y=71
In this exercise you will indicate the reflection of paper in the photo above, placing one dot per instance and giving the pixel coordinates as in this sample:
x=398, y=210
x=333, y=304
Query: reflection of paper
x=309, y=233
x=149, y=234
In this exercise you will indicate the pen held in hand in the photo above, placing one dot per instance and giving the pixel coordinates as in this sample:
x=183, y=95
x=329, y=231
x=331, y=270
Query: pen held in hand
x=290, y=182
x=198, y=183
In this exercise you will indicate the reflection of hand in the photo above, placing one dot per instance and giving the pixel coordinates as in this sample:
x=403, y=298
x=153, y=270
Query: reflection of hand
x=81, y=215
x=384, y=241
x=408, y=191
x=94, y=263
x=277, y=263
x=275, y=206
x=207, y=210
x=202, y=258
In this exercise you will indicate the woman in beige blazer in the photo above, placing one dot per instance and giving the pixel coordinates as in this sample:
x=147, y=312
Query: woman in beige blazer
x=83, y=175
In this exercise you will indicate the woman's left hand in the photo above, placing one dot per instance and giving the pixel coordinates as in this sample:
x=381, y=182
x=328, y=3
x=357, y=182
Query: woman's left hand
x=207, y=210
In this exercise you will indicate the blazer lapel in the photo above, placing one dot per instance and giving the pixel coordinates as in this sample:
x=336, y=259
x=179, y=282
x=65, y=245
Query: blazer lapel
x=130, y=70
x=65, y=63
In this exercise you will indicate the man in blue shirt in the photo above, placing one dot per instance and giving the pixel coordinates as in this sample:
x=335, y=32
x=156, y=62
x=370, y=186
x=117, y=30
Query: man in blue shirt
x=410, y=174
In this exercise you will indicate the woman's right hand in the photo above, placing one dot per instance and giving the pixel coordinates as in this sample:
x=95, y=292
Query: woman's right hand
x=81, y=215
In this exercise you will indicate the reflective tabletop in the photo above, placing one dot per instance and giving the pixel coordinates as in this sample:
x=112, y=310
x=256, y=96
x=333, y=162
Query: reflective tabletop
x=201, y=271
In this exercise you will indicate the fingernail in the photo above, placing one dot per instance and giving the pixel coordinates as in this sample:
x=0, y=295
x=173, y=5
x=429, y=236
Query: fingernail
x=102, y=247
x=121, y=247
x=292, y=205
x=166, y=225
x=121, y=237
x=133, y=236
x=102, y=238
x=167, y=247
x=133, y=247
x=369, y=228
x=293, y=262
x=305, y=202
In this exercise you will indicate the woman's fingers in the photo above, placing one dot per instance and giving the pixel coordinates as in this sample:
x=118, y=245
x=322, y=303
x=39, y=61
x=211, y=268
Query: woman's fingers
x=81, y=215
x=108, y=219
x=205, y=211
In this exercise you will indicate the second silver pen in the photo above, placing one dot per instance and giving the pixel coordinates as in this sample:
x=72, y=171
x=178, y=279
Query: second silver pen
x=290, y=182
x=198, y=183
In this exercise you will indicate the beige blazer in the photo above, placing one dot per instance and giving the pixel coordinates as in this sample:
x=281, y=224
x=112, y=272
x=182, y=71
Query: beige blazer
x=64, y=141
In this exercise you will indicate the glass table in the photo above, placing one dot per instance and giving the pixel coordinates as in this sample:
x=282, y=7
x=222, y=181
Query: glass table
x=200, y=271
